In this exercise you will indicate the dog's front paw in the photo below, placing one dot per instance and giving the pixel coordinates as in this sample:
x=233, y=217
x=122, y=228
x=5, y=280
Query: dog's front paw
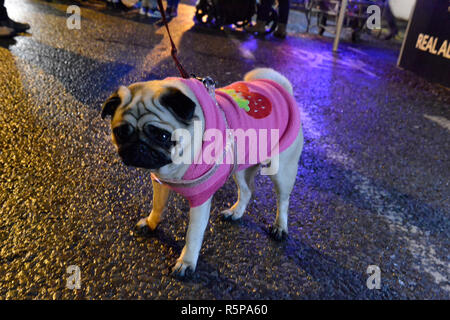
x=278, y=233
x=182, y=270
x=142, y=228
x=230, y=215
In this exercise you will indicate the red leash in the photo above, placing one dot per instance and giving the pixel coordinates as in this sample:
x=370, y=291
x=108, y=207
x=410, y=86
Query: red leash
x=174, y=51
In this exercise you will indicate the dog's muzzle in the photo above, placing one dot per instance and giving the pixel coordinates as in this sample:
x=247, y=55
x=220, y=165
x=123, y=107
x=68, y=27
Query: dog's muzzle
x=141, y=155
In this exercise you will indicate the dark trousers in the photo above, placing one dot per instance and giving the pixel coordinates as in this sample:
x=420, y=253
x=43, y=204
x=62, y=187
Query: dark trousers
x=173, y=3
x=390, y=18
x=3, y=13
x=283, y=10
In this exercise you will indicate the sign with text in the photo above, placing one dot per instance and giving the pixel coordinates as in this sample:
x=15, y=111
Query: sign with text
x=426, y=47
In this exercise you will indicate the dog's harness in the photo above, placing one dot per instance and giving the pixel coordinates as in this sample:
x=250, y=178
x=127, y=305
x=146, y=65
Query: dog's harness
x=231, y=145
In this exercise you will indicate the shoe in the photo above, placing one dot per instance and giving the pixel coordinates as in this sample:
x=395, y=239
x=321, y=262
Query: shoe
x=259, y=27
x=154, y=13
x=17, y=26
x=6, y=32
x=143, y=11
x=281, y=31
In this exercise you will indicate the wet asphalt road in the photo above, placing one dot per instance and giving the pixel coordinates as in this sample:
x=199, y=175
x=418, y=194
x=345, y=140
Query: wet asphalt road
x=372, y=187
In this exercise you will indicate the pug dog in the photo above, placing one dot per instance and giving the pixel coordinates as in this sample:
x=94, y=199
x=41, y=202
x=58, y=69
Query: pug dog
x=146, y=118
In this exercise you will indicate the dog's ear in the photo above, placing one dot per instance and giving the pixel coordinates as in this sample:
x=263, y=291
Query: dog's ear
x=110, y=105
x=181, y=106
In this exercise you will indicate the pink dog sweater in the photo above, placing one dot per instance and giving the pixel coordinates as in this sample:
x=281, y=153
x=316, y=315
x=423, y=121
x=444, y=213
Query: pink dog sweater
x=256, y=104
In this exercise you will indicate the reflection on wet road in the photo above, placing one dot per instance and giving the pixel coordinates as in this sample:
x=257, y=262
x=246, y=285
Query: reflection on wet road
x=372, y=186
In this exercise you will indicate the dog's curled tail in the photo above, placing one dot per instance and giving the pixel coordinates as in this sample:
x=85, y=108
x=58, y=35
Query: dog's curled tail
x=267, y=73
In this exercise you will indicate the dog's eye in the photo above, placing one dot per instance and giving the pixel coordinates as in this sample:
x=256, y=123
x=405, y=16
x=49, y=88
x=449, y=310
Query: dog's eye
x=157, y=133
x=123, y=132
x=164, y=136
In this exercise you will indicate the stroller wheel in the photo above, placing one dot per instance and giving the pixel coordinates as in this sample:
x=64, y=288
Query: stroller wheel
x=203, y=13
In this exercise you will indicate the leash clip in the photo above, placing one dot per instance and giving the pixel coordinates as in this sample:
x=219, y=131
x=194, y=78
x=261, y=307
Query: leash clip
x=210, y=86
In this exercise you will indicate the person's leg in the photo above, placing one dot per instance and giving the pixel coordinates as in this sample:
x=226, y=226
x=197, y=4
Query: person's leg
x=154, y=11
x=283, y=15
x=264, y=10
x=356, y=26
x=323, y=23
x=261, y=17
x=153, y=4
x=144, y=7
x=393, y=29
x=172, y=8
x=169, y=8
x=283, y=11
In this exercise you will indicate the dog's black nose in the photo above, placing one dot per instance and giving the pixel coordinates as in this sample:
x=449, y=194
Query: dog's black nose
x=136, y=154
x=143, y=150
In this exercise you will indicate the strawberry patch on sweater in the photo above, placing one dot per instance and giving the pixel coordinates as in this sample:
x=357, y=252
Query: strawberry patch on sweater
x=257, y=105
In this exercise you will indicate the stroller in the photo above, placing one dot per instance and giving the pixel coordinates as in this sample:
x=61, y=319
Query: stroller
x=220, y=13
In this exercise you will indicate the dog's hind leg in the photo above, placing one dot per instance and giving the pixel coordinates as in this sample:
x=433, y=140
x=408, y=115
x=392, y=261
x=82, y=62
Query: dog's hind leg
x=245, y=181
x=283, y=184
x=284, y=181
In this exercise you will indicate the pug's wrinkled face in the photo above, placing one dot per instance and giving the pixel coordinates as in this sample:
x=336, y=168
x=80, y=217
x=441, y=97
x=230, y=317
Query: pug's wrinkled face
x=143, y=117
